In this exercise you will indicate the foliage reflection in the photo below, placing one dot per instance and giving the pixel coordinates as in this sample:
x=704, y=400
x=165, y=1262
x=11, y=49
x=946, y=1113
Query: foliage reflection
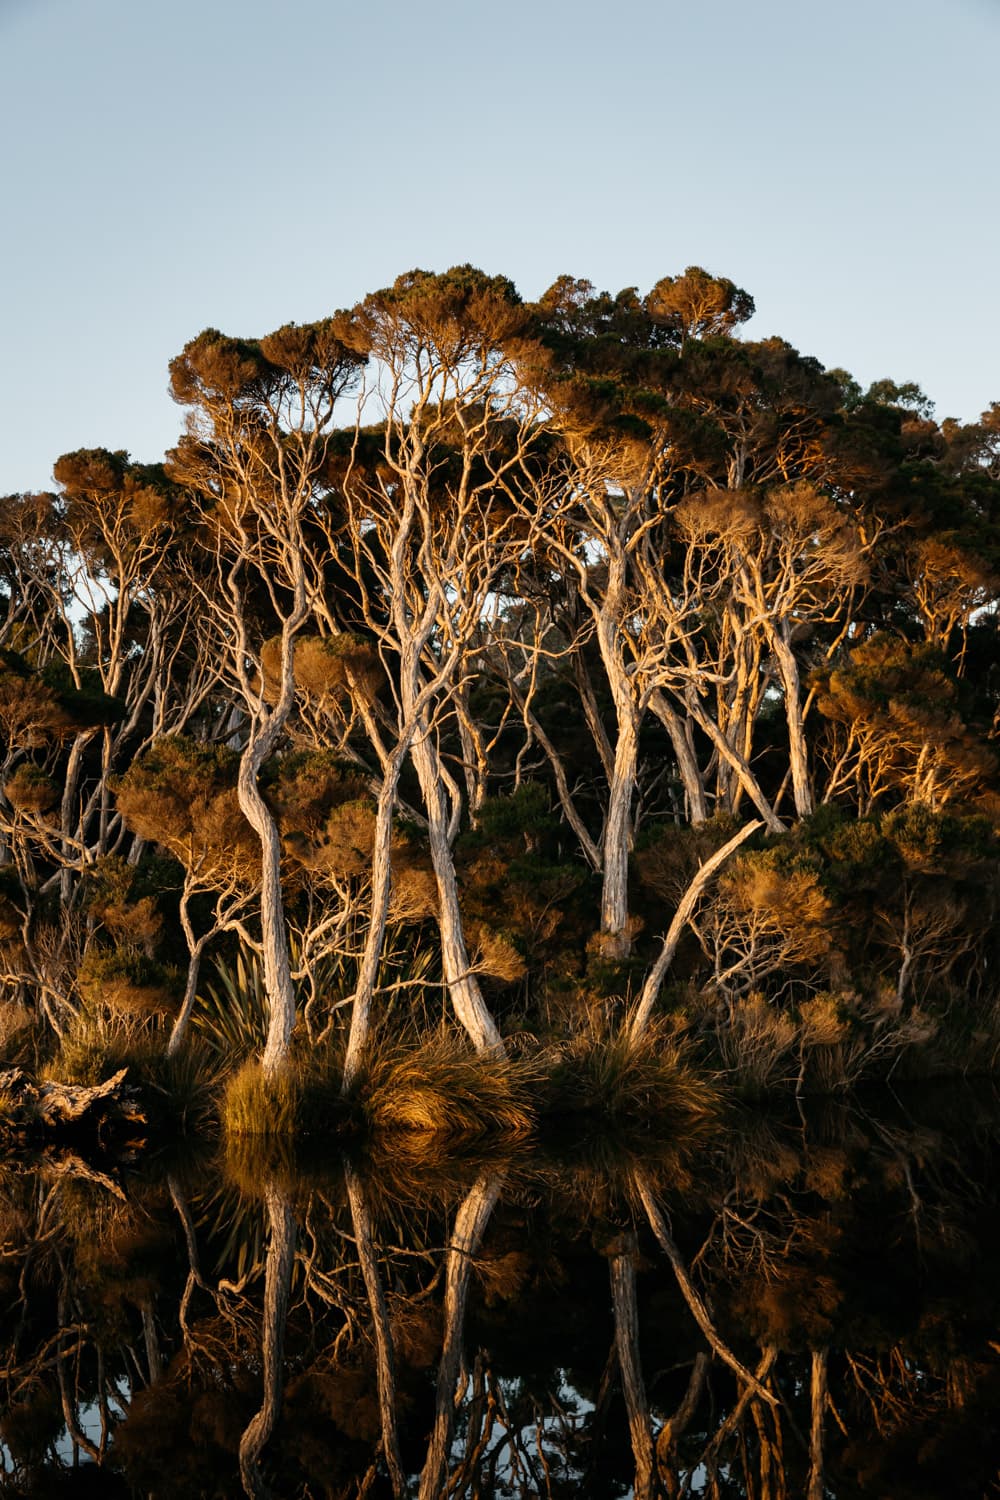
x=796, y=1309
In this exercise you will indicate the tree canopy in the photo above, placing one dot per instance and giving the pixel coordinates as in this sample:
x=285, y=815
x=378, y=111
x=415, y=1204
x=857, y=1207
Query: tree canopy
x=470, y=629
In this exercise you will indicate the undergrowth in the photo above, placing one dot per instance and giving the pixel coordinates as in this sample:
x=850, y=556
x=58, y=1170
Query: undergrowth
x=179, y=1091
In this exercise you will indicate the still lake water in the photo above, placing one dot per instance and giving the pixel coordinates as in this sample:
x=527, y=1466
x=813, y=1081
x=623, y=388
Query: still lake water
x=805, y=1307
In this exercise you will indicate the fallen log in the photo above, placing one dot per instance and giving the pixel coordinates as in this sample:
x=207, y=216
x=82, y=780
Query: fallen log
x=50, y=1106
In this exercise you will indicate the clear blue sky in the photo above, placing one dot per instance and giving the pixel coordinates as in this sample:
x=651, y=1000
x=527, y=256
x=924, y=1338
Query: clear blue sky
x=239, y=164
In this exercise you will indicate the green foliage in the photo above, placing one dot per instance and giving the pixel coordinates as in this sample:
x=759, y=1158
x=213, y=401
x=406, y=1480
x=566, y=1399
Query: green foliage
x=525, y=812
x=86, y=706
x=524, y=909
x=231, y=1014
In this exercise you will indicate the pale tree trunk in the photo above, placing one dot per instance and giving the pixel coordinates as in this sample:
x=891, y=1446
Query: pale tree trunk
x=274, y=933
x=381, y=891
x=732, y=1421
x=819, y=1397
x=385, y=1362
x=470, y=1225
x=616, y=843
x=535, y=731
x=798, y=758
x=67, y=814
x=617, y=840
x=592, y=715
x=224, y=918
x=692, y=781
x=623, y=1302
x=696, y=887
x=674, y=1428
x=698, y=1310
x=178, y=1031
x=277, y=1284
x=470, y=1008
x=734, y=759
x=905, y=949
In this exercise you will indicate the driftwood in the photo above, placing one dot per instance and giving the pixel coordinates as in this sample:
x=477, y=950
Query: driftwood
x=51, y=1107
x=57, y=1168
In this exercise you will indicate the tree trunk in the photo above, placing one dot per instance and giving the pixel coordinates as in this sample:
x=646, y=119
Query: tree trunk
x=623, y=1302
x=735, y=760
x=470, y=1008
x=74, y=768
x=470, y=1225
x=274, y=934
x=277, y=1283
x=686, y=906
x=617, y=840
x=692, y=781
x=818, y=1393
x=361, y=1005
x=616, y=843
x=196, y=948
x=361, y=1220
x=788, y=669
x=675, y=1426
x=697, y=1307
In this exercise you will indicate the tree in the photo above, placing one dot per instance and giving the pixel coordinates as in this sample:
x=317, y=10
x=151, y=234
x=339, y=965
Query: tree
x=253, y=461
x=430, y=522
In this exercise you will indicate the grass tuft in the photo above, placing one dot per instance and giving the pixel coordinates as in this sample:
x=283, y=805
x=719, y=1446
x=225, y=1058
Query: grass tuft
x=303, y=1098
x=256, y=1104
x=438, y=1088
x=610, y=1077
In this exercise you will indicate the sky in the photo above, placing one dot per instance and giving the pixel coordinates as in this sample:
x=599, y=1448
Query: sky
x=241, y=164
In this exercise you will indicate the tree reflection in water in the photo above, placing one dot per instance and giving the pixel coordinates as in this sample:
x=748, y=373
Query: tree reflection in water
x=768, y=1312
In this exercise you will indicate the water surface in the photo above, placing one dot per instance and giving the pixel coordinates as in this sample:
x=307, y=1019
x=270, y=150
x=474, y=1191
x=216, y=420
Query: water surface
x=805, y=1307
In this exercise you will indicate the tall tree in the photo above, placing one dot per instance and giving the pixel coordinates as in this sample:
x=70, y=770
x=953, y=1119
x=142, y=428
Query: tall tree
x=262, y=413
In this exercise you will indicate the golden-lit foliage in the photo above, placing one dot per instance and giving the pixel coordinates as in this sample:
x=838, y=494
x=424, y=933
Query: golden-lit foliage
x=454, y=639
x=30, y=790
x=325, y=667
x=183, y=796
x=440, y=1089
x=896, y=727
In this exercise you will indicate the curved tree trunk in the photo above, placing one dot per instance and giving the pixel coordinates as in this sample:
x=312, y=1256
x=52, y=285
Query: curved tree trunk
x=277, y=1283
x=361, y=1220
x=274, y=933
x=623, y=1302
x=470, y=1225
x=470, y=1008
x=179, y=1030
x=685, y=909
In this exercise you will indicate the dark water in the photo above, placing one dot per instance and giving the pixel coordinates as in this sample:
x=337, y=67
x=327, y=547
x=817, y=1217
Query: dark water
x=806, y=1308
